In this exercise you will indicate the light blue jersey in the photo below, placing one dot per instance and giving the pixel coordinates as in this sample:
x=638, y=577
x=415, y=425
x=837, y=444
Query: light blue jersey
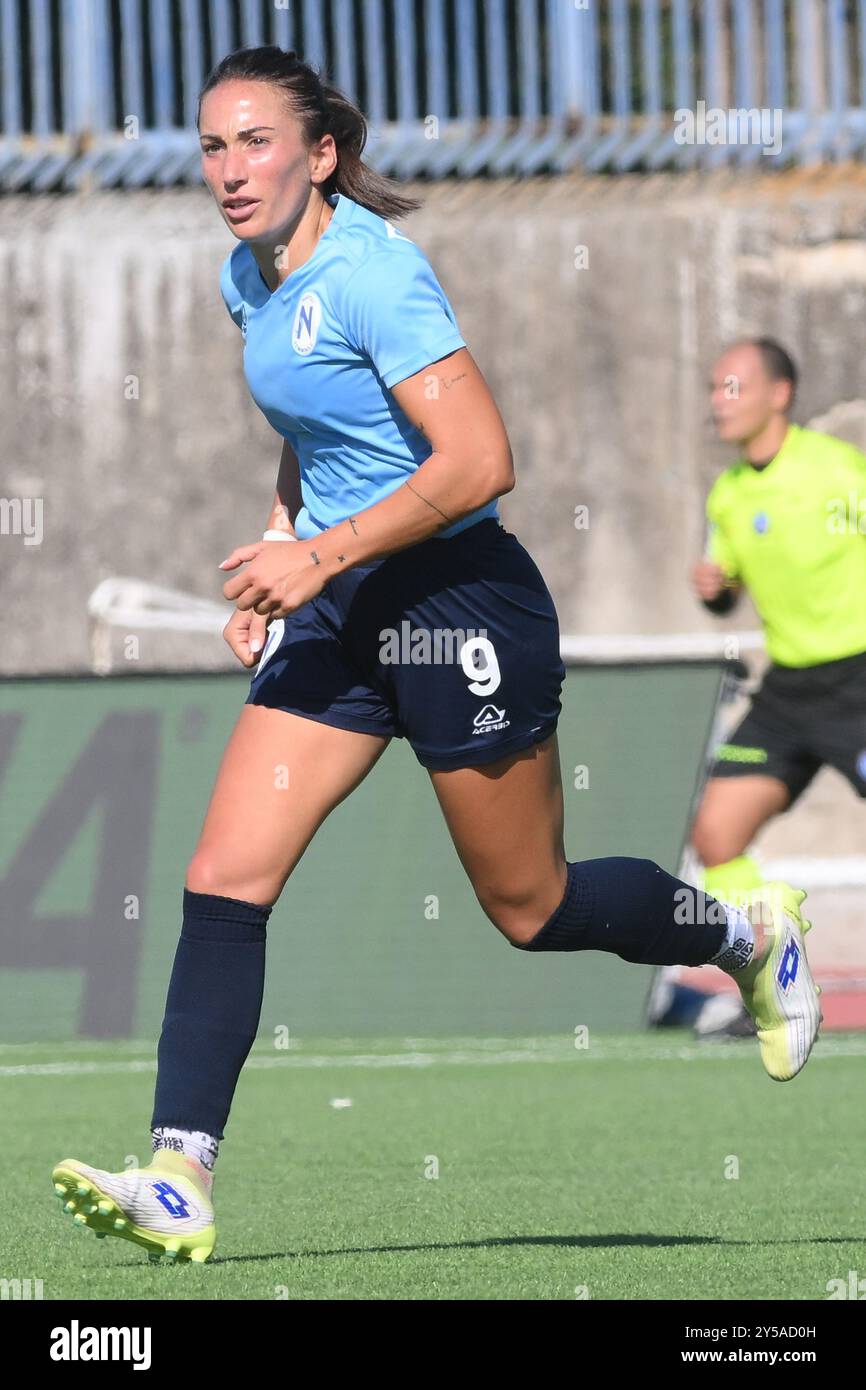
x=364, y=312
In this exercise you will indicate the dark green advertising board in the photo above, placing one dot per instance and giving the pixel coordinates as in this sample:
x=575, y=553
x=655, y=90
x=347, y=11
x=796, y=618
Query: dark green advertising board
x=103, y=787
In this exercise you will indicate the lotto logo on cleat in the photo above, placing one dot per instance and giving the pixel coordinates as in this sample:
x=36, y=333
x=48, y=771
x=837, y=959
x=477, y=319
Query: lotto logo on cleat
x=171, y=1199
x=788, y=966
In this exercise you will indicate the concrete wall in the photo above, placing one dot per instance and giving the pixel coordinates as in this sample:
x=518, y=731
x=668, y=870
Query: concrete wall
x=599, y=371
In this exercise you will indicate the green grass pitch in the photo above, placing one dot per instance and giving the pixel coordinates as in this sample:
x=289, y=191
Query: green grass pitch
x=604, y=1172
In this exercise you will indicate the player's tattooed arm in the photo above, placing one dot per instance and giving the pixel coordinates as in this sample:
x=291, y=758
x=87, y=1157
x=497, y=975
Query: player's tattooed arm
x=469, y=465
x=449, y=520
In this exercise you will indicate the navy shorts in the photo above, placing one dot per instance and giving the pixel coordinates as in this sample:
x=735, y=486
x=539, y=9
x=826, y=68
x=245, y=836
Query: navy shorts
x=452, y=644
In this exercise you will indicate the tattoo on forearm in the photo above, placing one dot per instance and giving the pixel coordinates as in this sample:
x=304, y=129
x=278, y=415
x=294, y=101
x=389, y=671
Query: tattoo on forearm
x=453, y=381
x=427, y=500
x=314, y=557
x=352, y=524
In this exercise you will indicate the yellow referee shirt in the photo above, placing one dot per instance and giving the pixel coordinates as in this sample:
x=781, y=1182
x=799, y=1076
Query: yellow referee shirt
x=794, y=533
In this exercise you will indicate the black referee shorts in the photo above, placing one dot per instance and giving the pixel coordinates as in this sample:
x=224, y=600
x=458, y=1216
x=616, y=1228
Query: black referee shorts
x=801, y=719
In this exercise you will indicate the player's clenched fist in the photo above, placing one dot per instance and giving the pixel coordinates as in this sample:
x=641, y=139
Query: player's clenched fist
x=246, y=633
x=708, y=579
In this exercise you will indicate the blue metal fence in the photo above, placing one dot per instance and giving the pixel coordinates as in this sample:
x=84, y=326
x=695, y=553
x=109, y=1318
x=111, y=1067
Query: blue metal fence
x=103, y=92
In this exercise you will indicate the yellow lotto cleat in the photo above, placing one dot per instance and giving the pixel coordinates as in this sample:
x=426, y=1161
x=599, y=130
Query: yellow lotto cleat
x=777, y=988
x=165, y=1207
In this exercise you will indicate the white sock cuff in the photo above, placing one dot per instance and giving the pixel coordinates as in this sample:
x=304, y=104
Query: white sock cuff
x=192, y=1142
x=737, y=949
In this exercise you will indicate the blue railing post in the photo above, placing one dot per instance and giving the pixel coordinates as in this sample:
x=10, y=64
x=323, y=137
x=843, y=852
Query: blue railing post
x=838, y=77
x=344, y=44
x=162, y=64
x=192, y=43
x=314, y=33
x=620, y=57
x=252, y=30
x=40, y=65
x=282, y=24
x=574, y=88
x=810, y=55
x=775, y=50
x=10, y=37
x=374, y=63
x=221, y=29
x=77, y=78
x=567, y=57
x=684, y=57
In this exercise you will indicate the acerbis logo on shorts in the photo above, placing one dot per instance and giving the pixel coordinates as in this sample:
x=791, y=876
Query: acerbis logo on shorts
x=789, y=966
x=305, y=329
x=490, y=718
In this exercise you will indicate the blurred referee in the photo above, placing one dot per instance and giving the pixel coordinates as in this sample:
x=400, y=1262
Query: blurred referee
x=787, y=522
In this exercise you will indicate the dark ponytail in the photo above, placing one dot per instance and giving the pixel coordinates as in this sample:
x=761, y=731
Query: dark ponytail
x=322, y=109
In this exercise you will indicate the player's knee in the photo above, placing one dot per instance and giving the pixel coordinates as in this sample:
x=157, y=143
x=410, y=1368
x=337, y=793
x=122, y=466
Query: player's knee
x=204, y=874
x=210, y=872
x=713, y=843
x=519, y=915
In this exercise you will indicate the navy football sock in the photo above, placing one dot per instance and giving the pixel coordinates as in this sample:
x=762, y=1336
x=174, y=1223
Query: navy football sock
x=636, y=910
x=212, y=1011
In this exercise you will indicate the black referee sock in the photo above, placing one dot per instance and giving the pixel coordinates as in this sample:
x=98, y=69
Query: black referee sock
x=636, y=910
x=212, y=1011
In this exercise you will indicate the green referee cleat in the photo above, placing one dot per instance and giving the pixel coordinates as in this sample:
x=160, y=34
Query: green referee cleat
x=165, y=1207
x=777, y=987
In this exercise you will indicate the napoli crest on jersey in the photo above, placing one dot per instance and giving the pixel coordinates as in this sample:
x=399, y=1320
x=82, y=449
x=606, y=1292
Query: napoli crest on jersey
x=761, y=523
x=305, y=328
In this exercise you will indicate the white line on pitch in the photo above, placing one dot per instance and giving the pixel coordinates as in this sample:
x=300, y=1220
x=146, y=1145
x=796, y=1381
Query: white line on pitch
x=825, y=1050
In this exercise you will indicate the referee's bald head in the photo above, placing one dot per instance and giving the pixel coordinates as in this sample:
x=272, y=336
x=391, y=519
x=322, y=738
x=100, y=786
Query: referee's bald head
x=778, y=363
x=753, y=381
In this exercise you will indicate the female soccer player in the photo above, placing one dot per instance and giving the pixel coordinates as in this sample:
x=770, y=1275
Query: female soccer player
x=385, y=514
